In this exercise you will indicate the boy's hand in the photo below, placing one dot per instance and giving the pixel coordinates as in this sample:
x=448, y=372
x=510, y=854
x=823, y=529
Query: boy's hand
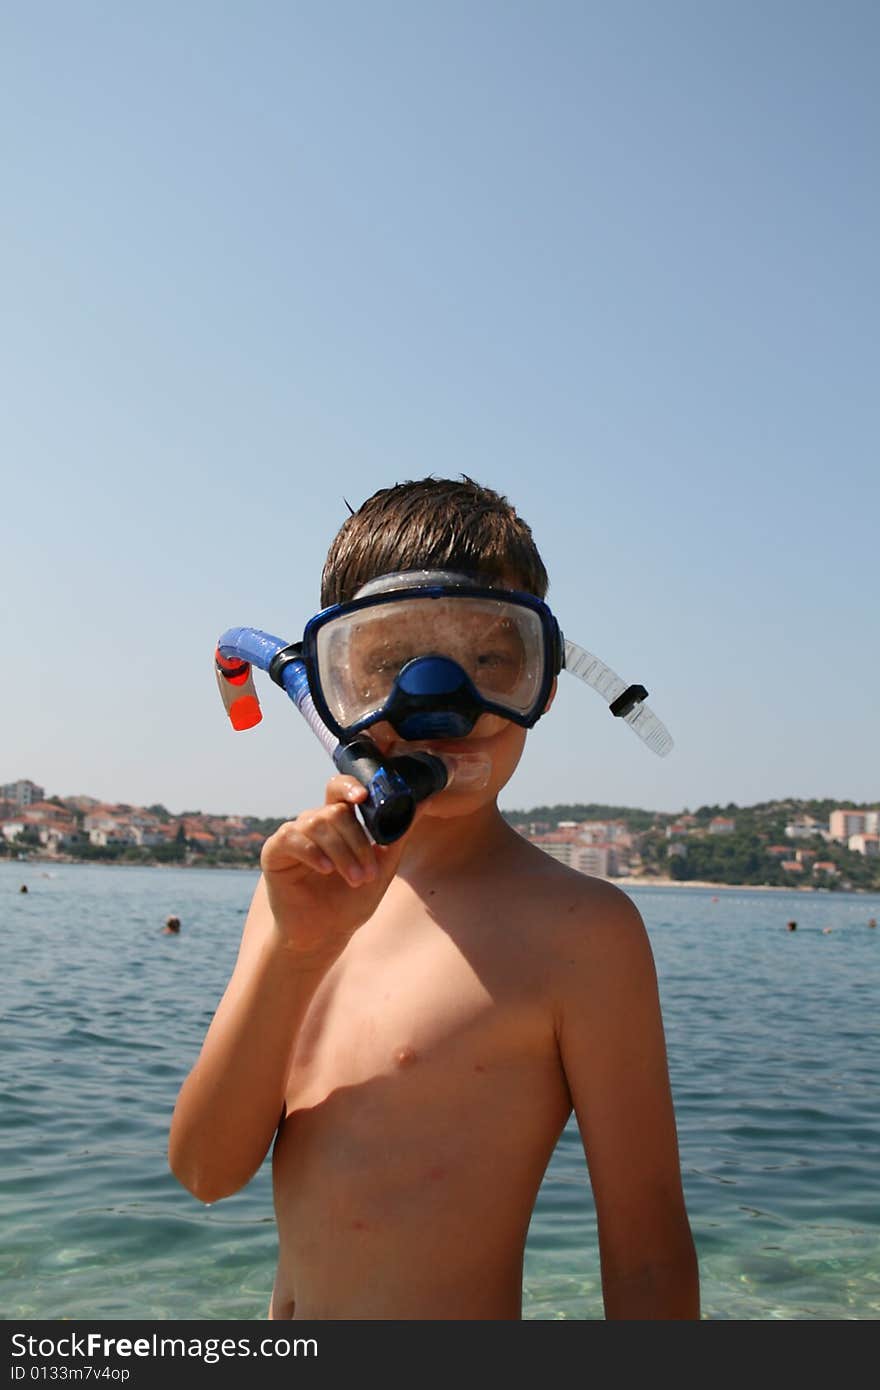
x=324, y=878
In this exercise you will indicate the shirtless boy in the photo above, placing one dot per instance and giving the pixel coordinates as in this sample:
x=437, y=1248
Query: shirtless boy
x=414, y=1023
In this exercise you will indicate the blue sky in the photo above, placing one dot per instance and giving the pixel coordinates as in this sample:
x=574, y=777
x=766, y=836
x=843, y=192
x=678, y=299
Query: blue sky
x=617, y=261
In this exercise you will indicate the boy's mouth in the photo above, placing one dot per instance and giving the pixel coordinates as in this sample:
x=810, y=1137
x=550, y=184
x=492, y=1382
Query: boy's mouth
x=467, y=762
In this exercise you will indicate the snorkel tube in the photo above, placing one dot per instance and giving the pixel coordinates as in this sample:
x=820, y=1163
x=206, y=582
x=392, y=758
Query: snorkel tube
x=395, y=785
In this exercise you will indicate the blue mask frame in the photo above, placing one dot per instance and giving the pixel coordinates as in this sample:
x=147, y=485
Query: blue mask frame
x=432, y=697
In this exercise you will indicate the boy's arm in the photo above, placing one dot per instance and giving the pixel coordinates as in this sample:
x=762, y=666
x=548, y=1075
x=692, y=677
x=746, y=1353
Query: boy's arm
x=230, y=1105
x=321, y=880
x=611, y=1042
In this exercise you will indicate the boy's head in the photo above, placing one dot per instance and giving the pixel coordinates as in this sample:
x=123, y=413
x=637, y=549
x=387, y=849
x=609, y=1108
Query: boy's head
x=433, y=523
x=439, y=524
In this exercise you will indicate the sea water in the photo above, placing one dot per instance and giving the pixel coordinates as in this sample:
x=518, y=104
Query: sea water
x=774, y=1058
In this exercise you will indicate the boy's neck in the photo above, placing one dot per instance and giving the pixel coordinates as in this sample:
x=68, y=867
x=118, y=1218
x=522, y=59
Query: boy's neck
x=437, y=845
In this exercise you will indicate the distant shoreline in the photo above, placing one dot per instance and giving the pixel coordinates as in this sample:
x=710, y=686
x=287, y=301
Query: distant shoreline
x=627, y=882
x=728, y=887
x=120, y=863
x=740, y=887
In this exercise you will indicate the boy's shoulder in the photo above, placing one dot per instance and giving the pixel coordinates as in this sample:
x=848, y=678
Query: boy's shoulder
x=565, y=905
x=533, y=861
x=590, y=949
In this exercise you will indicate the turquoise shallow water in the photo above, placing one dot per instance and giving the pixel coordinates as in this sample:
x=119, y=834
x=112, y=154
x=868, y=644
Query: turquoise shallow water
x=774, y=1055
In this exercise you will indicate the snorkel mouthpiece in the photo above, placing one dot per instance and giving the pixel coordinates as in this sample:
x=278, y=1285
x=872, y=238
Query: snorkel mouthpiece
x=392, y=802
x=432, y=698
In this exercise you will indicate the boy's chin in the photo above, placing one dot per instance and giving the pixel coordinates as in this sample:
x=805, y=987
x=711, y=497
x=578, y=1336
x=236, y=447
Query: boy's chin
x=453, y=802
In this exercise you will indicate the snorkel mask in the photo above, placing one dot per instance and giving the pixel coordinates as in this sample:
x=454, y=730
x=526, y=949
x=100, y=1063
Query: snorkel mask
x=429, y=652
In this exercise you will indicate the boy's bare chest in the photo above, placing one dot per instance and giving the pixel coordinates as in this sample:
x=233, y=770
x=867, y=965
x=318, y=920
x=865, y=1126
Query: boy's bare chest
x=425, y=1093
x=425, y=1003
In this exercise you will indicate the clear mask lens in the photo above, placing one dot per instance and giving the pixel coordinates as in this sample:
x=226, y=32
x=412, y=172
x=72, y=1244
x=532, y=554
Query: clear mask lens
x=499, y=646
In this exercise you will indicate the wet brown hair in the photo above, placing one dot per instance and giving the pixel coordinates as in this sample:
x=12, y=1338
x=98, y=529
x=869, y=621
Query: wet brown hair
x=433, y=523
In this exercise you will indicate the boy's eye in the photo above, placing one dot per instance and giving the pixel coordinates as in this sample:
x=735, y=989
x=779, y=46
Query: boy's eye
x=383, y=660
x=499, y=668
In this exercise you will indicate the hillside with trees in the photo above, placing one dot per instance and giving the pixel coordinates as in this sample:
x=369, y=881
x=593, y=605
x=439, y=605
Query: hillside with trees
x=754, y=852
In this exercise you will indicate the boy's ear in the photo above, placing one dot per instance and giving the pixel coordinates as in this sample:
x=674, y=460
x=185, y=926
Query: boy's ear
x=552, y=696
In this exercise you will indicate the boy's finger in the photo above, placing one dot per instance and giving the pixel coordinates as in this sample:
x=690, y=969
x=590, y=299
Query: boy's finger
x=339, y=835
x=344, y=788
x=289, y=846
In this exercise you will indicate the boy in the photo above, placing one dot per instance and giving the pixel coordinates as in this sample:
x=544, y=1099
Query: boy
x=414, y=1023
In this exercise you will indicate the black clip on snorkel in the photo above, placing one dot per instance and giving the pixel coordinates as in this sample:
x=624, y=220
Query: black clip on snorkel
x=395, y=785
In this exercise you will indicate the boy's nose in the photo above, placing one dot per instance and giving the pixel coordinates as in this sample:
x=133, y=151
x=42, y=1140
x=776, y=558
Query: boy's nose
x=432, y=676
x=433, y=698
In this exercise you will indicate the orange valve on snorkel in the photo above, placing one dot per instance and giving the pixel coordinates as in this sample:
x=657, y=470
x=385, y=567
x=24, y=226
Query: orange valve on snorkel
x=236, y=685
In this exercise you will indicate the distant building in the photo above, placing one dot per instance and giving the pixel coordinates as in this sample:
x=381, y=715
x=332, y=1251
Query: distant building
x=679, y=827
x=203, y=839
x=843, y=824
x=22, y=793
x=599, y=860
x=565, y=845
x=54, y=826
x=825, y=866
x=721, y=825
x=604, y=831
x=106, y=832
x=146, y=836
x=803, y=828
x=865, y=844
x=252, y=841
x=45, y=811
x=559, y=844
